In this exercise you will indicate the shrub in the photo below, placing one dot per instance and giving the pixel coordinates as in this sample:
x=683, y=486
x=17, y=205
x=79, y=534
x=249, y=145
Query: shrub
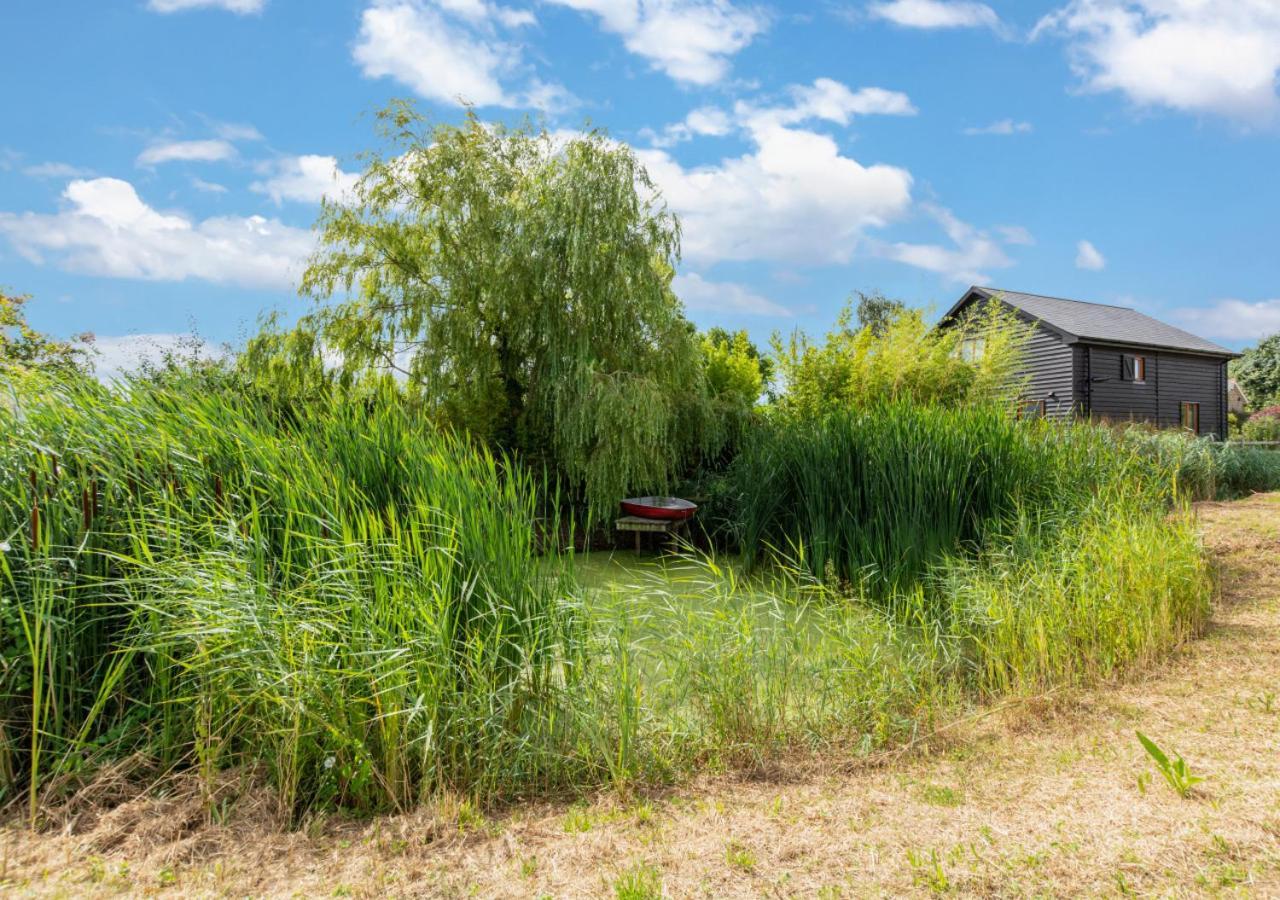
x=902, y=358
x=1263, y=425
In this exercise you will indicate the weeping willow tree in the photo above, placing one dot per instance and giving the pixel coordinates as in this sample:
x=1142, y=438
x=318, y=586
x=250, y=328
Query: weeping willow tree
x=520, y=286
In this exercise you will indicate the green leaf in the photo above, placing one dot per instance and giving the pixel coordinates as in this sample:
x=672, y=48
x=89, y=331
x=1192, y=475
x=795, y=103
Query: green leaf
x=1153, y=751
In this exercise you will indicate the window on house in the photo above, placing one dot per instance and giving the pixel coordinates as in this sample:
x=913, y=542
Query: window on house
x=1133, y=368
x=1191, y=417
x=971, y=349
x=1031, y=409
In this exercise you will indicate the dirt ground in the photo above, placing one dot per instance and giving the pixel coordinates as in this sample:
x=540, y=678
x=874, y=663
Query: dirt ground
x=1050, y=797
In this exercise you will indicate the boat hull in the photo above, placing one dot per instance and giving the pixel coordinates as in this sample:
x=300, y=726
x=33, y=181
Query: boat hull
x=671, y=509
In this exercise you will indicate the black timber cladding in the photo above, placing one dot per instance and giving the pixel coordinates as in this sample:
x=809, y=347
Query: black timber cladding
x=1050, y=374
x=1075, y=362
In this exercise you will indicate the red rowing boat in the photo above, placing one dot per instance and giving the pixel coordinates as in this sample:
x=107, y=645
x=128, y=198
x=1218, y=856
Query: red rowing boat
x=672, y=509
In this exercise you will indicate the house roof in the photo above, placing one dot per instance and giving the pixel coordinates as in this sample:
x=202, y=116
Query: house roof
x=1078, y=320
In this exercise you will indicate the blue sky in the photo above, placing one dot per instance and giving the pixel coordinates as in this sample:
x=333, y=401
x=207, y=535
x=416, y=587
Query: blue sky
x=161, y=160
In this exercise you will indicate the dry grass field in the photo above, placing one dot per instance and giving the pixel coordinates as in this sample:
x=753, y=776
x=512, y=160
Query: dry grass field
x=1048, y=796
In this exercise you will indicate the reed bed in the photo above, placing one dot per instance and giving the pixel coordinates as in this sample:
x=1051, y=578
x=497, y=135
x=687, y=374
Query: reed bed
x=361, y=606
x=342, y=594
x=878, y=495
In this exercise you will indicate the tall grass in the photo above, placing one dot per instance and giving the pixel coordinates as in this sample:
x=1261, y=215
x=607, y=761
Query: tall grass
x=342, y=594
x=1116, y=586
x=878, y=495
x=359, y=606
x=1205, y=469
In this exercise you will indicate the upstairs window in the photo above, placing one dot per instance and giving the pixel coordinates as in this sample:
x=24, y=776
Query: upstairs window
x=972, y=349
x=1133, y=368
x=1191, y=417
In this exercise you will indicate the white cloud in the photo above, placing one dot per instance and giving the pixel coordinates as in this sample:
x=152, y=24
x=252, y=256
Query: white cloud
x=1237, y=320
x=972, y=250
x=1004, y=127
x=689, y=40
x=237, y=131
x=829, y=100
x=705, y=121
x=452, y=51
x=1016, y=234
x=106, y=229
x=1190, y=55
x=240, y=7
x=936, y=14
x=723, y=297
x=306, y=179
x=186, y=151
x=1088, y=257
x=795, y=198
x=208, y=187
x=56, y=170
x=826, y=99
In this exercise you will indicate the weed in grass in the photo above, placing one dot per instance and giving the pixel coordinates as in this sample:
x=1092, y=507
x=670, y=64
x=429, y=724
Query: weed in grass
x=927, y=871
x=940, y=795
x=1176, y=771
x=470, y=818
x=577, y=820
x=643, y=813
x=528, y=866
x=740, y=857
x=640, y=882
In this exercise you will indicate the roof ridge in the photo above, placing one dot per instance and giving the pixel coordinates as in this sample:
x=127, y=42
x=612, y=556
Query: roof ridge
x=996, y=290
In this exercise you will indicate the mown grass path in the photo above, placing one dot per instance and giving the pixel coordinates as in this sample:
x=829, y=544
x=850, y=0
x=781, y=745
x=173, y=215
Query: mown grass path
x=1050, y=796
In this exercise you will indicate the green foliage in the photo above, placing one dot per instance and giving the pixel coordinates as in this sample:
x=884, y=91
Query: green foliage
x=640, y=882
x=1263, y=425
x=717, y=335
x=876, y=312
x=734, y=386
x=880, y=493
x=23, y=348
x=321, y=586
x=521, y=286
x=1176, y=771
x=1257, y=371
x=357, y=602
x=1110, y=584
x=907, y=359
x=1202, y=468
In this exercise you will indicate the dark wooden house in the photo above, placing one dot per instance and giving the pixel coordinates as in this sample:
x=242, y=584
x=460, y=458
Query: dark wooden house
x=1114, y=363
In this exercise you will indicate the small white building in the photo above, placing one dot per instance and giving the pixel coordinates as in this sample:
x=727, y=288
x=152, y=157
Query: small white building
x=1237, y=400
